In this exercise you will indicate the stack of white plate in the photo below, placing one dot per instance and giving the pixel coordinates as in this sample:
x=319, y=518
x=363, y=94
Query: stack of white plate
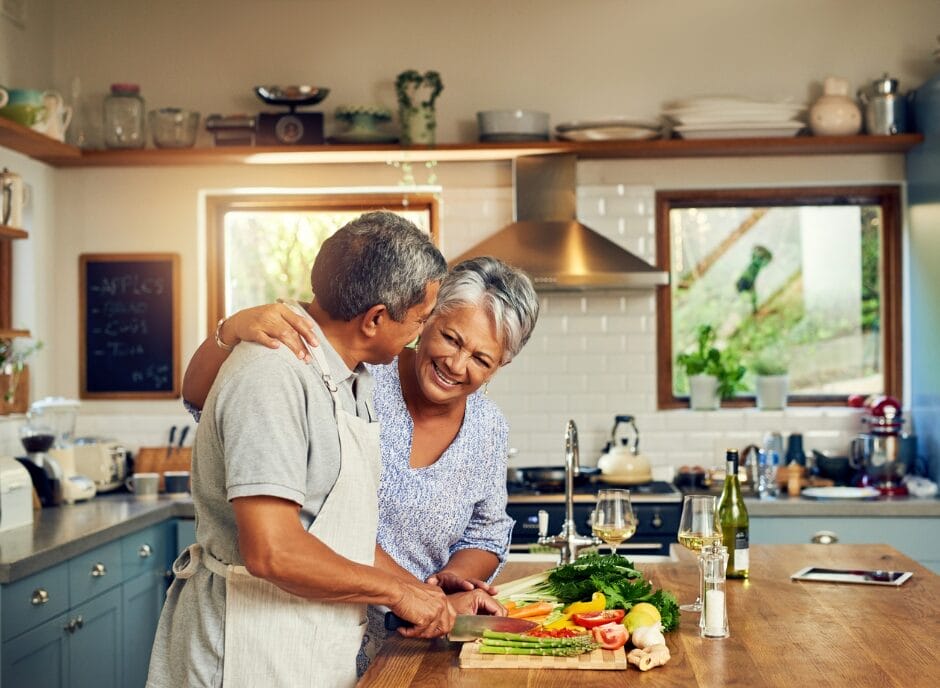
x=734, y=117
x=618, y=128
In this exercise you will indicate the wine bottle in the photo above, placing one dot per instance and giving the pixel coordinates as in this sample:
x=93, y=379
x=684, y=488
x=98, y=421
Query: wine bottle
x=733, y=520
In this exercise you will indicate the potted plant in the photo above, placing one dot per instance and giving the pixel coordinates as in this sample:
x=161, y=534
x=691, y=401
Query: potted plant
x=364, y=121
x=14, y=376
x=416, y=95
x=771, y=380
x=713, y=374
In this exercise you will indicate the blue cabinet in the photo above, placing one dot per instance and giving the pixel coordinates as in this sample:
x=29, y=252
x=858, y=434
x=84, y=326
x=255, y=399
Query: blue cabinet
x=88, y=622
x=143, y=601
x=38, y=658
x=95, y=644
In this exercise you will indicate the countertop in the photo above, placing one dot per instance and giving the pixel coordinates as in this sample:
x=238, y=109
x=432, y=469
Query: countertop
x=59, y=533
x=782, y=633
x=62, y=532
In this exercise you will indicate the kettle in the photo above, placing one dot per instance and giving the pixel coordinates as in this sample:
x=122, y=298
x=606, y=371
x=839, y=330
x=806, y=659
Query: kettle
x=13, y=198
x=622, y=462
x=885, y=108
x=56, y=118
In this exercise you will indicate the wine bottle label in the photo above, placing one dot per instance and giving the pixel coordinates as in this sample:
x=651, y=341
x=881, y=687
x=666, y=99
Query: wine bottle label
x=741, y=558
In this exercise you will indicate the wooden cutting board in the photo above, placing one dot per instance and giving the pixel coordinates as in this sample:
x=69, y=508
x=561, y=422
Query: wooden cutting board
x=470, y=658
x=162, y=459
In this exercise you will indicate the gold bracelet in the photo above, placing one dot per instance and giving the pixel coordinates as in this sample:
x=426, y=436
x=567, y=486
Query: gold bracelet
x=218, y=337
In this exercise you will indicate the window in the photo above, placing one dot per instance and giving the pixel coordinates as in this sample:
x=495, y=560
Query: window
x=261, y=248
x=807, y=277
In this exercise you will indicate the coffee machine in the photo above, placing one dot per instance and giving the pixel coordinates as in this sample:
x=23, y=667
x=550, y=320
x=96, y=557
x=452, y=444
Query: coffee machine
x=880, y=452
x=44, y=470
x=58, y=416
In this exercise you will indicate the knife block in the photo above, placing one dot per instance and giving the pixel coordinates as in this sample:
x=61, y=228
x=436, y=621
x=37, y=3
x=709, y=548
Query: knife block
x=162, y=459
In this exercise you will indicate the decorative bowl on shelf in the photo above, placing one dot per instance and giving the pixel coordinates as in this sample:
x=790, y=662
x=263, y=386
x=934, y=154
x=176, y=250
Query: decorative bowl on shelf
x=174, y=127
x=292, y=96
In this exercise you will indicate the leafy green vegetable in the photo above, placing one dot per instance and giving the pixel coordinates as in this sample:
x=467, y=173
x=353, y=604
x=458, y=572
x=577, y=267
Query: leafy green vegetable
x=622, y=584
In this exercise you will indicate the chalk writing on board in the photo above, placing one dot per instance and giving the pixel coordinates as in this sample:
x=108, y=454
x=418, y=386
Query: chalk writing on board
x=129, y=344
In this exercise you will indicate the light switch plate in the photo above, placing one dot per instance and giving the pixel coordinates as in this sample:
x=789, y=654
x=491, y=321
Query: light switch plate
x=15, y=11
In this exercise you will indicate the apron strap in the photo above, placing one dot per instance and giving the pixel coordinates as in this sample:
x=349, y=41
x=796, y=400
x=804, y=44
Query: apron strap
x=194, y=556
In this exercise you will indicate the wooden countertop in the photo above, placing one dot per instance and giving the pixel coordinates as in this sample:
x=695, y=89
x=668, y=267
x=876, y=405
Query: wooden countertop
x=782, y=633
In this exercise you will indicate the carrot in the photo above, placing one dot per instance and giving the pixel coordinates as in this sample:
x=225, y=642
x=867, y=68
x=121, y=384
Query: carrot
x=540, y=619
x=534, y=609
x=509, y=605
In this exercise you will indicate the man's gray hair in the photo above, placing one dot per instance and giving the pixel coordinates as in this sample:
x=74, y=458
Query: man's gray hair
x=504, y=292
x=378, y=258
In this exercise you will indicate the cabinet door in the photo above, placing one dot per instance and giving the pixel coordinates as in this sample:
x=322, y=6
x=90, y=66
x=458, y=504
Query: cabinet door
x=38, y=658
x=143, y=602
x=96, y=646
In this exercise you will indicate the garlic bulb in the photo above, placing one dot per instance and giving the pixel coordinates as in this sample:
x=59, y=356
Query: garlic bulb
x=647, y=636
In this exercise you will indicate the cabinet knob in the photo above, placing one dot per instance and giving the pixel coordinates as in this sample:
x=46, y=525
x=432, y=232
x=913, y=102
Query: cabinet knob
x=40, y=596
x=825, y=537
x=98, y=570
x=144, y=551
x=657, y=521
x=79, y=621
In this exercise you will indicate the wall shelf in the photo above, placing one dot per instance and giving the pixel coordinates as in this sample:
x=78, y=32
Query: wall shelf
x=10, y=334
x=7, y=232
x=49, y=151
x=33, y=144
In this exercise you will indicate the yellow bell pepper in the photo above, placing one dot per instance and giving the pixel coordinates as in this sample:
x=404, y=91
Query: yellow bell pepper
x=561, y=622
x=597, y=604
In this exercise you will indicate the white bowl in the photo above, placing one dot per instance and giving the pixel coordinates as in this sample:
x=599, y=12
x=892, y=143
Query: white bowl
x=512, y=125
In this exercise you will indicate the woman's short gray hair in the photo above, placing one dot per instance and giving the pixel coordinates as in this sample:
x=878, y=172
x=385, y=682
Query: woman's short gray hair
x=504, y=292
x=378, y=258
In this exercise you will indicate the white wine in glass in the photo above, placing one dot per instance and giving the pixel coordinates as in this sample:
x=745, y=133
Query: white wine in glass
x=698, y=528
x=614, y=520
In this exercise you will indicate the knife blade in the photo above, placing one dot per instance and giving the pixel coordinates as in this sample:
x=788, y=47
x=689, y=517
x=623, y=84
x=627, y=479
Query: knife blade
x=470, y=626
x=169, y=445
x=183, y=436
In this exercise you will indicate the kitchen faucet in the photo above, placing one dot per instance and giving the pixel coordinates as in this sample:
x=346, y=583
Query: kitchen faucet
x=568, y=541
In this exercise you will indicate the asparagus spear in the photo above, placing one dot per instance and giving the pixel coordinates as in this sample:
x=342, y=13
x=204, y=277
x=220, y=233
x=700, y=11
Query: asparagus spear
x=544, y=651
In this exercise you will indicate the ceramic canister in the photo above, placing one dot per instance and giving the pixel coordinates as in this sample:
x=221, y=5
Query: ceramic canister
x=13, y=196
x=835, y=113
x=24, y=106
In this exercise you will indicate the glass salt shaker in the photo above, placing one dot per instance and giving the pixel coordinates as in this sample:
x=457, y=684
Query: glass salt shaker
x=713, y=621
x=124, y=117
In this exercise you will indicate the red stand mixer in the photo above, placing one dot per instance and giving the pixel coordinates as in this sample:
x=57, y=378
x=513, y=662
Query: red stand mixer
x=878, y=452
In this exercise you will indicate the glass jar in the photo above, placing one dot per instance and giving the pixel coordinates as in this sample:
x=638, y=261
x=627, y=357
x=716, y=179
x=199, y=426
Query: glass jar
x=124, y=117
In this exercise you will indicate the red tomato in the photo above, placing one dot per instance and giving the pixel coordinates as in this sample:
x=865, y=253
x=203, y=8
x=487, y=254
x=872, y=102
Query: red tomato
x=592, y=619
x=611, y=636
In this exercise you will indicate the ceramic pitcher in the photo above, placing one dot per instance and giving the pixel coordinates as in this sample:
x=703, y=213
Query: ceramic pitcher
x=4, y=96
x=56, y=116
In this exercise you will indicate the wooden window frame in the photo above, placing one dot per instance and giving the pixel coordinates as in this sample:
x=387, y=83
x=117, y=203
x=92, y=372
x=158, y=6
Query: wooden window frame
x=888, y=197
x=218, y=205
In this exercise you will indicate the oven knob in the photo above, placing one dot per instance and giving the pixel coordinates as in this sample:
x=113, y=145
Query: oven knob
x=657, y=521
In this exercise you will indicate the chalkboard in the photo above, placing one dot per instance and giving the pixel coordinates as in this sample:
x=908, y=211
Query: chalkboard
x=129, y=321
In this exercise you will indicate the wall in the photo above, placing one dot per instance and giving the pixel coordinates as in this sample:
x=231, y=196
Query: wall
x=575, y=60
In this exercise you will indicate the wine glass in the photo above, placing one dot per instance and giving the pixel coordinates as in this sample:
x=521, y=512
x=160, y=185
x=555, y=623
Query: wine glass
x=698, y=528
x=614, y=520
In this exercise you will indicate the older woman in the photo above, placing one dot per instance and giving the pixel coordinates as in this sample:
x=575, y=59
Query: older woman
x=442, y=497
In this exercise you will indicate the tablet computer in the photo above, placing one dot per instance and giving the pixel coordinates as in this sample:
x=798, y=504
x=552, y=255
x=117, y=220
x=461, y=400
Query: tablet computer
x=873, y=577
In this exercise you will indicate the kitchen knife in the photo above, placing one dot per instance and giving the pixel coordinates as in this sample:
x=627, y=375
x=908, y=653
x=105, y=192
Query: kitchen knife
x=169, y=445
x=471, y=626
x=183, y=436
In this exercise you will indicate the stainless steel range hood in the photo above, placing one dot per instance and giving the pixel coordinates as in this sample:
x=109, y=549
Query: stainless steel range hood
x=547, y=241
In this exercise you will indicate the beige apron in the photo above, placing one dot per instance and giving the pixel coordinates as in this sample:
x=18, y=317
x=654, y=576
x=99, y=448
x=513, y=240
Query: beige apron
x=279, y=640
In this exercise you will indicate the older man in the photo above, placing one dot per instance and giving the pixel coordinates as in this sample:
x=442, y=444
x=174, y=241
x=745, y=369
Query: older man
x=285, y=473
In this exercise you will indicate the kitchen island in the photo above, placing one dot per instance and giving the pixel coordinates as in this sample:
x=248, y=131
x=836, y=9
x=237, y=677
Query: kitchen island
x=782, y=633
